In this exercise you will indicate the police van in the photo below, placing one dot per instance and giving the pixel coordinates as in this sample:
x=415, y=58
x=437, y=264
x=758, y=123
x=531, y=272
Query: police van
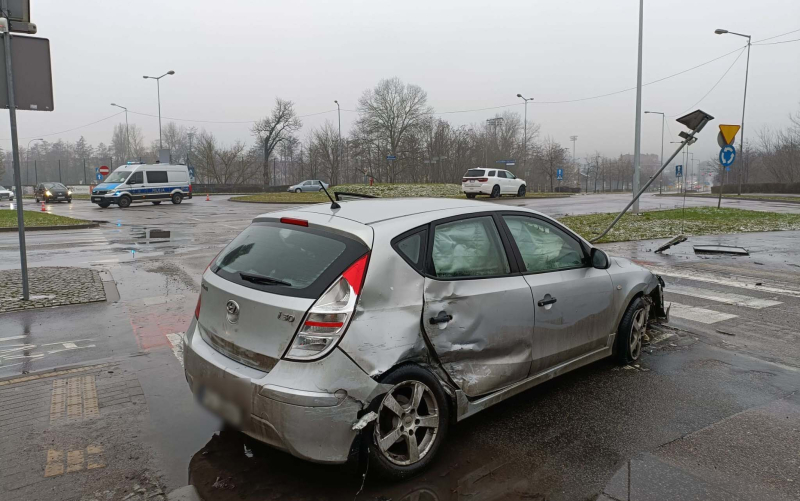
x=134, y=183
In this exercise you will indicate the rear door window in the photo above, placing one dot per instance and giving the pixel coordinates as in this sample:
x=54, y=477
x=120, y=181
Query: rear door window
x=287, y=259
x=157, y=176
x=468, y=248
x=492, y=173
x=474, y=173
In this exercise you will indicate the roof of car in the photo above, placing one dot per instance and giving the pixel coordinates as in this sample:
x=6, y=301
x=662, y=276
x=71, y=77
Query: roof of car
x=374, y=210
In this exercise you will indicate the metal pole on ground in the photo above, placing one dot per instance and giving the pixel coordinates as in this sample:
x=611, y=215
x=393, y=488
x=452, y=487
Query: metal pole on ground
x=12, y=112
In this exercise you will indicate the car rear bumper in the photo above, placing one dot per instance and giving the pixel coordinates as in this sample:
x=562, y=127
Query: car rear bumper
x=476, y=188
x=305, y=408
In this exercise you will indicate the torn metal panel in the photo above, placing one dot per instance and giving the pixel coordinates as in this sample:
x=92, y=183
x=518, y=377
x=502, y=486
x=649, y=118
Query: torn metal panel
x=674, y=241
x=488, y=342
x=721, y=249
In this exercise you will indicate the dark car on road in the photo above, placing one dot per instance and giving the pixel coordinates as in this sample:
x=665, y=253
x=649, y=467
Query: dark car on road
x=52, y=192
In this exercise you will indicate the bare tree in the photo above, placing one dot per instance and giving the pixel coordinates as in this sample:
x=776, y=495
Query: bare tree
x=388, y=113
x=554, y=157
x=324, y=141
x=270, y=131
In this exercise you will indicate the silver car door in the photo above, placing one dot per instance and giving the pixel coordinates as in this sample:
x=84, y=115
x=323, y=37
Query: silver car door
x=478, y=311
x=573, y=301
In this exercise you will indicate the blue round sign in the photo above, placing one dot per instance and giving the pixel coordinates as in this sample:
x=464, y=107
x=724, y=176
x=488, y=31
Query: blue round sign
x=727, y=155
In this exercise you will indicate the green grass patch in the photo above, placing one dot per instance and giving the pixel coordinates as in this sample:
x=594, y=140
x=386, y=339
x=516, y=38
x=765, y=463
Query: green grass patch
x=667, y=223
x=8, y=219
x=377, y=190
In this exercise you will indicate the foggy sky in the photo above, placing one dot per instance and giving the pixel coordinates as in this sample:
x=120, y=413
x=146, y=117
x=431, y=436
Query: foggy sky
x=233, y=58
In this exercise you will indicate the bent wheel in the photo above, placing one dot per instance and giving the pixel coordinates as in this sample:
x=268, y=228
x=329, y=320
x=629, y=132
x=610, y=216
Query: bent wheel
x=631, y=332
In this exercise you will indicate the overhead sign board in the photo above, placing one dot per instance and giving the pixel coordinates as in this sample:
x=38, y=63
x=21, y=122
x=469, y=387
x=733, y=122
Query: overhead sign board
x=505, y=161
x=391, y=157
x=679, y=171
x=33, y=80
x=729, y=132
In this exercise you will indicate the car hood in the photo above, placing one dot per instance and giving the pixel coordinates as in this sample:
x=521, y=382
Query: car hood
x=106, y=186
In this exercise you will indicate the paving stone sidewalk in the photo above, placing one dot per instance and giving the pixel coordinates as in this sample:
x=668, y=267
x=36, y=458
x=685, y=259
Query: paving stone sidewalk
x=50, y=286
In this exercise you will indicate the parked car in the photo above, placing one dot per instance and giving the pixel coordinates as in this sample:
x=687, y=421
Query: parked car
x=492, y=182
x=52, y=192
x=309, y=185
x=6, y=194
x=137, y=183
x=320, y=331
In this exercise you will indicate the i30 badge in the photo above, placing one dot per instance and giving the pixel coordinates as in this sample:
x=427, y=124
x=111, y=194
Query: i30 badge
x=233, y=311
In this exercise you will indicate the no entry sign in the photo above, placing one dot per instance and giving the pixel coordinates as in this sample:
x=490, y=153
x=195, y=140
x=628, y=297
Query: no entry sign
x=104, y=170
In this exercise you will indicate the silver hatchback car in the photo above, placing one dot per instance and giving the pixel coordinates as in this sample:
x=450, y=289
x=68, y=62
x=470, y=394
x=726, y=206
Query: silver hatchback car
x=370, y=329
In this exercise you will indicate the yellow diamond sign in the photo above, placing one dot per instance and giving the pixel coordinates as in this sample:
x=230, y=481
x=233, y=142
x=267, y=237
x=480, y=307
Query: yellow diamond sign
x=729, y=132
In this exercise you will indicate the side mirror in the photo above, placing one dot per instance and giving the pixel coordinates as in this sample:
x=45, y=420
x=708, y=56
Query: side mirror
x=600, y=259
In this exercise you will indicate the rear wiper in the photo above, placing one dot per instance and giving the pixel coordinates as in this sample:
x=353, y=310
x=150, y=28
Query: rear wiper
x=259, y=279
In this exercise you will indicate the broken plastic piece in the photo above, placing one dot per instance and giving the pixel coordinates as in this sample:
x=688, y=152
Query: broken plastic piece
x=365, y=420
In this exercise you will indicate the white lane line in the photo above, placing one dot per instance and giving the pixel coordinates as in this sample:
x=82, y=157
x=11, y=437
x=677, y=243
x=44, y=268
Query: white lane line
x=176, y=340
x=717, y=279
x=11, y=338
x=696, y=314
x=721, y=297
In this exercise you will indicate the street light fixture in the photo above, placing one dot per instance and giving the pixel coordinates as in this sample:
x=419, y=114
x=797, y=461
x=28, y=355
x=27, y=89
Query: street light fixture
x=27, y=158
x=158, y=86
x=744, y=100
x=525, y=132
x=661, y=160
x=127, y=134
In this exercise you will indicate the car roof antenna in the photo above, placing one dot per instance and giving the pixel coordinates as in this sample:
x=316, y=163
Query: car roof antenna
x=334, y=205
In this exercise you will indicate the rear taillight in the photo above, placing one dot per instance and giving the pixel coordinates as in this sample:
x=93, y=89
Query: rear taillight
x=328, y=318
x=197, y=308
x=483, y=180
x=464, y=180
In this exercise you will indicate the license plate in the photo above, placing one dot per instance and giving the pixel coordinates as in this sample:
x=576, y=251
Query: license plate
x=472, y=181
x=217, y=404
x=96, y=199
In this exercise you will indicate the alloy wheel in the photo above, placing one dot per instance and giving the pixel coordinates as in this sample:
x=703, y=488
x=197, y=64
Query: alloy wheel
x=407, y=424
x=638, y=327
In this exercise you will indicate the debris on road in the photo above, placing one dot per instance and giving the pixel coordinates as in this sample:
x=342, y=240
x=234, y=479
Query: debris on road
x=721, y=249
x=674, y=241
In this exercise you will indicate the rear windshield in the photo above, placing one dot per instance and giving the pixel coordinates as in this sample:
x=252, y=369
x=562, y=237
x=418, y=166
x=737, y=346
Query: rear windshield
x=287, y=259
x=474, y=173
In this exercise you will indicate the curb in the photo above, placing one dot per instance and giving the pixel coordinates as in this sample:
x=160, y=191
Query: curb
x=749, y=199
x=49, y=228
x=391, y=198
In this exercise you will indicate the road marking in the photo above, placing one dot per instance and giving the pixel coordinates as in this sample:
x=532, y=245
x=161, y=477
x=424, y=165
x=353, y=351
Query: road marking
x=699, y=276
x=54, y=465
x=48, y=374
x=176, y=340
x=722, y=297
x=93, y=458
x=10, y=338
x=696, y=314
x=74, y=461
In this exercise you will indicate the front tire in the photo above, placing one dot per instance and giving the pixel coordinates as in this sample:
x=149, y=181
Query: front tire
x=413, y=419
x=177, y=198
x=37, y=200
x=521, y=191
x=104, y=205
x=297, y=190
x=69, y=201
x=124, y=202
x=156, y=203
x=631, y=330
x=495, y=192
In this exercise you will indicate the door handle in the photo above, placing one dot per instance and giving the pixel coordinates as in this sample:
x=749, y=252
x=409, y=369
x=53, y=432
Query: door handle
x=546, y=300
x=441, y=318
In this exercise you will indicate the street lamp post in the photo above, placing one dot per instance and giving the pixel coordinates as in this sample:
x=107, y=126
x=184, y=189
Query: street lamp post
x=27, y=167
x=339, y=144
x=158, y=87
x=525, y=134
x=661, y=160
x=638, y=128
x=744, y=102
x=127, y=134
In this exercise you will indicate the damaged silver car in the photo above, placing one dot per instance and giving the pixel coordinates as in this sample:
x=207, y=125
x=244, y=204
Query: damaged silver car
x=371, y=327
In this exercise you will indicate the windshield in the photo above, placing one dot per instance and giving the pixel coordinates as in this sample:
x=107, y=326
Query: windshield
x=55, y=186
x=118, y=176
x=286, y=259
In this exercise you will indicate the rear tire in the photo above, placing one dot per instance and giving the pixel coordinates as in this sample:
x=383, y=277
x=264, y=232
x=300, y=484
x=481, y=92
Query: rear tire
x=124, y=201
x=471, y=195
x=69, y=201
x=419, y=429
x=177, y=198
x=37, y=200
x=495, y=192
x=521, y=192
x=631, y=330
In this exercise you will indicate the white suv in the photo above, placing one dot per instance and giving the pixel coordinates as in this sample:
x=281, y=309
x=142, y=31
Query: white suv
x=492, y=182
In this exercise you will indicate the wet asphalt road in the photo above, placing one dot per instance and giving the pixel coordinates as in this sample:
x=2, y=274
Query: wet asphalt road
x=710, y=413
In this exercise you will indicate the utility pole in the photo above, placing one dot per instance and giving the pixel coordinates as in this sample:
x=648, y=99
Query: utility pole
x=525, y=135
x=637, y=168
x=12, y=112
